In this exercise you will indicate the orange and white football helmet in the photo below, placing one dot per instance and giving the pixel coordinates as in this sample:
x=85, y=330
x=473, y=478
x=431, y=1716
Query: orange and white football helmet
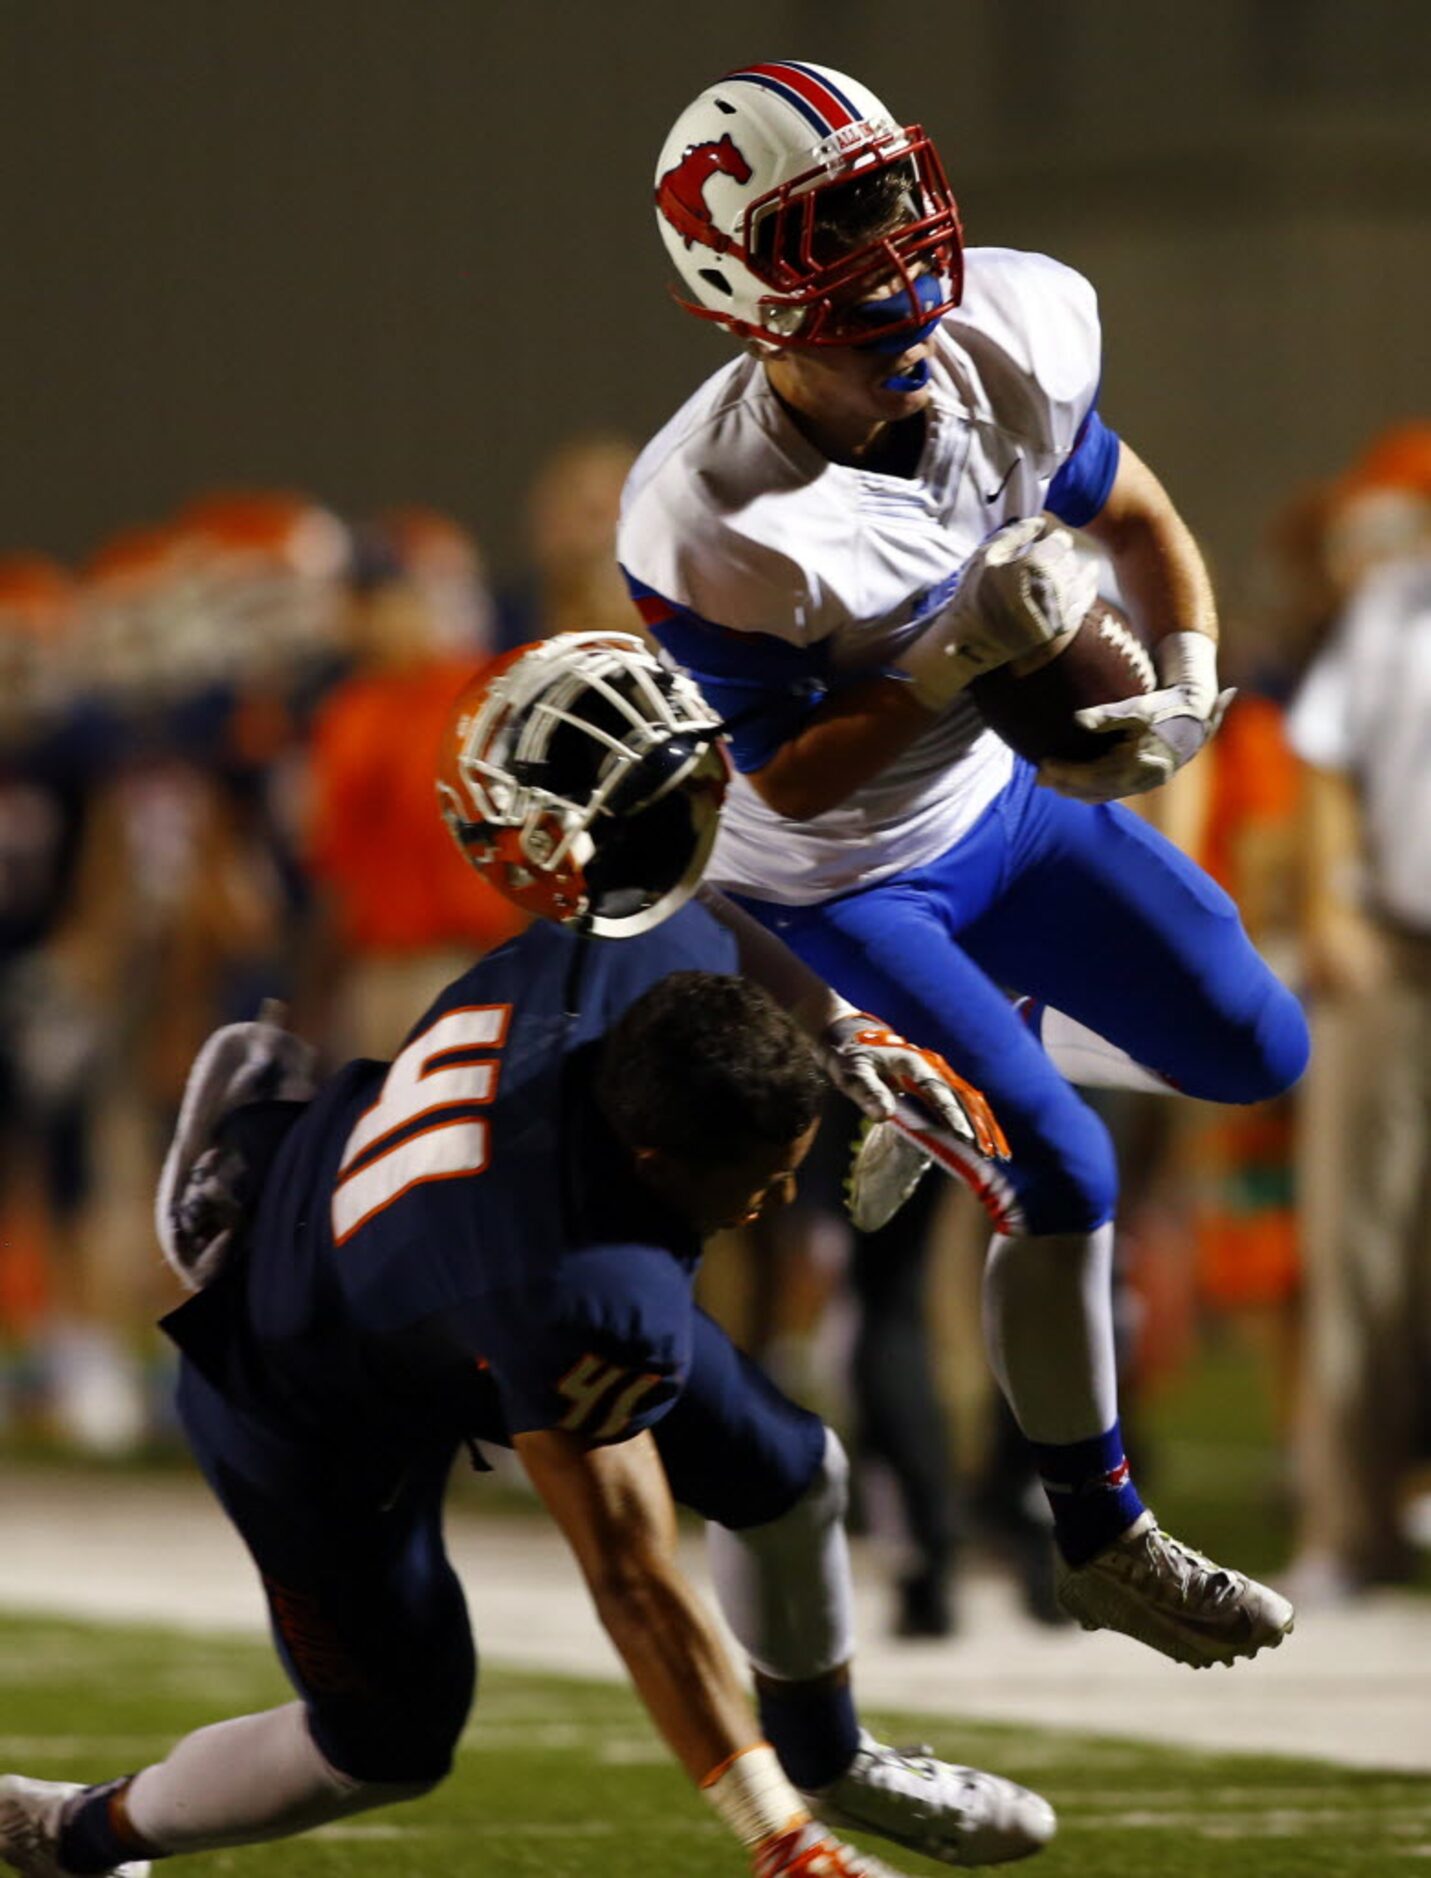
x=584, y=780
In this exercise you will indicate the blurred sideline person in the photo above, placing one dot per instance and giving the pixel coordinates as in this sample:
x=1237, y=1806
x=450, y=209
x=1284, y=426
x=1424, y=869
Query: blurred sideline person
x=571, y=582
x=495, y=1237
x=187, y=635
x=400, y=914
x=265, y=611
x=135, y=958
x=835, y=536
x=49, y=1026
x=1361, y=723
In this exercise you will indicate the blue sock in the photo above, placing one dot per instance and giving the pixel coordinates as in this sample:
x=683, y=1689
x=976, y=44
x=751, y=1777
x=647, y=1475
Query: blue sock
x=93, y=1836
x=1090, y=1491
x=812, y=1727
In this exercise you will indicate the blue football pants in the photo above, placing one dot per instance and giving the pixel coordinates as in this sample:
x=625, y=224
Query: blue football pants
x=1091, y=911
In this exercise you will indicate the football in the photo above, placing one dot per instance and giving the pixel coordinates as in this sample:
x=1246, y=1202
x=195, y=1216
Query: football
x=1030, y=703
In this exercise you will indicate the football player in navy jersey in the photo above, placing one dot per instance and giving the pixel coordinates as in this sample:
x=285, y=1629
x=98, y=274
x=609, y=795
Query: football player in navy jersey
x=494, y=1238
x=835, y=535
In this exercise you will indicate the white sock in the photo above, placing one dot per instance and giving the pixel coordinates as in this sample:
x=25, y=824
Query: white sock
x=1048, y=1329
x=255, y=1777
x=784, y=1588
x=1091, y=1061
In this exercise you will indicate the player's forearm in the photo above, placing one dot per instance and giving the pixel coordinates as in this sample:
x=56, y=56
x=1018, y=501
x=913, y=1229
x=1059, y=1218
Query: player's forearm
x=774, y=967
x=679, y=1666
x=1161, y=572
x=614, y=1506
x=851, y=738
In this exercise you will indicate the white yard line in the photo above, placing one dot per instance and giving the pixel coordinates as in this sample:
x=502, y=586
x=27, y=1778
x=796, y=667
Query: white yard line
x=1350, y=1685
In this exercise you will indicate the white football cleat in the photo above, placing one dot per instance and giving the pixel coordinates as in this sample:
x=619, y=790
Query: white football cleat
x=955, y=1814
x=30, y=1814
x=885, y=1168
x=200, y=1200
x=1160, y=1592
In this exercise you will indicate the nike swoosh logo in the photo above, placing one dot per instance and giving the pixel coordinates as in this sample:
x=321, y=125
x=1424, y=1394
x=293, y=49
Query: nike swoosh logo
x=994, y=494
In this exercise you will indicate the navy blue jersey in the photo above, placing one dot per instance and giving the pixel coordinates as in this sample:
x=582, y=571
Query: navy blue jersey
x=455, y=1242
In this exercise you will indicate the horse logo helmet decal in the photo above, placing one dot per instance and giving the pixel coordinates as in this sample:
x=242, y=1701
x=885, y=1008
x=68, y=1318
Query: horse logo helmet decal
x=681, y=191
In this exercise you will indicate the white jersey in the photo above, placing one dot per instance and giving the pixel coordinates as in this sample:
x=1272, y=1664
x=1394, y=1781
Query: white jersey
x=774, y=575
x=1364, y=708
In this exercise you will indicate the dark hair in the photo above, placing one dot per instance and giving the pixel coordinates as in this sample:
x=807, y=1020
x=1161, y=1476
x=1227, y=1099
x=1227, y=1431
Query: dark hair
x=707, y=1067
x=844, y=216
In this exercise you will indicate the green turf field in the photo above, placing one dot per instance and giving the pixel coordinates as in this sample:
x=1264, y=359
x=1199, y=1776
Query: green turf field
x=564, y=1779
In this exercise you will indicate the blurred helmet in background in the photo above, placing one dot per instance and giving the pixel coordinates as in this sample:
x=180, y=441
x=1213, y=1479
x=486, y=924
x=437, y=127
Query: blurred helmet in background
x=125, y=630
x=1381, y=507
x=584, y=780
x=37, y=602
x=265, y=596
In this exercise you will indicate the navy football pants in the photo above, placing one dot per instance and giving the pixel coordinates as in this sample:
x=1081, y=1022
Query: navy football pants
x=367, y=1612
x=1099, y=916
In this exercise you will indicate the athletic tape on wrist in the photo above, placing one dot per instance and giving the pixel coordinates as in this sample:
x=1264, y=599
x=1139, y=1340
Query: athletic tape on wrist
x=753, y=1797
x=1188, y=659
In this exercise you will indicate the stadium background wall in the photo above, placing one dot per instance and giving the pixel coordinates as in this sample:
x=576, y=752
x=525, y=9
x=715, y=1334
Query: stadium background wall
x=361, y=246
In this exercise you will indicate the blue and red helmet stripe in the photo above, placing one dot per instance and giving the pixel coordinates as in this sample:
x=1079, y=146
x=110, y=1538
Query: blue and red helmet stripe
x=820, y=103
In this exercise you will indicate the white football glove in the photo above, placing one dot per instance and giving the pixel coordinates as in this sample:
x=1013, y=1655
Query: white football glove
x=201, y=1197
x=873, y=1065
x=1024, y=586
x=812, y=1851
x=1160, y=731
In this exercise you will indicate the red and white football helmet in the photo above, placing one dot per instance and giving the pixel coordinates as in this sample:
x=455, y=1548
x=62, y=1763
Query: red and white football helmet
x=584, y=781
x=787, y=191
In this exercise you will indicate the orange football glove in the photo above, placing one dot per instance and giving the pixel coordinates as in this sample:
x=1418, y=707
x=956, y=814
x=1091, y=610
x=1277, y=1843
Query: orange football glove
x=872, y=1064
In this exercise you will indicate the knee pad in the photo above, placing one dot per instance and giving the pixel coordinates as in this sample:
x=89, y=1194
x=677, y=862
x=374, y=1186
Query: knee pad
x=825, y=1501
x=1281, y=1045
x=1068, y=1180
x=385, y=1750
x=821, y=1506
x=405, y=1734
x=1252, y=1058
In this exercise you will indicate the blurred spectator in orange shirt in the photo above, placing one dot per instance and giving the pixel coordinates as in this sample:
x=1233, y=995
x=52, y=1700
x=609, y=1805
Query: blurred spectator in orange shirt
x=1242, y=1159
x=405, y=914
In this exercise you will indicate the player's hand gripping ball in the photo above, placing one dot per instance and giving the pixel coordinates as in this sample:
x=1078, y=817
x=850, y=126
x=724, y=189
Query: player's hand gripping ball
x=1024, y=588
x=1033, y=702
x=1150, y=735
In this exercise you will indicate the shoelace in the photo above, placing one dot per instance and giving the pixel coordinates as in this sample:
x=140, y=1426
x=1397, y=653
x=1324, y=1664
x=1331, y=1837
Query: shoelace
x=915, y=1773
x=23, y=1832
x=1199, y=1581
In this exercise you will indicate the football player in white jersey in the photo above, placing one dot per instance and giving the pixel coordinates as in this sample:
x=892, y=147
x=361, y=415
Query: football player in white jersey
x=841, y=529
